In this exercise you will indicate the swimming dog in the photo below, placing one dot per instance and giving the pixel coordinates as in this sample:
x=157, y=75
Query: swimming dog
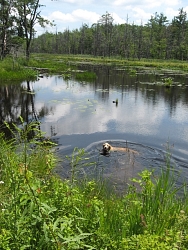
x=107, y=148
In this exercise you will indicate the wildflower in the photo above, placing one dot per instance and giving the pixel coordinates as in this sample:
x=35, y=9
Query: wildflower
x=1, y=182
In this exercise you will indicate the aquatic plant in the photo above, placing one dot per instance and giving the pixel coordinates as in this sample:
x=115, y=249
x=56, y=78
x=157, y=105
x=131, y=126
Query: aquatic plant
x=85, y=76
x=66, y=74
x=132, y=72
x=167, y=81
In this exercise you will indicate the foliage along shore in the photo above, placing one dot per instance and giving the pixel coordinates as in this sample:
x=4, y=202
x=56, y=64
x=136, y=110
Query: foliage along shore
x=38, y=210
x=158, y=38
x=13, y=69
x=19, y=69
x=57, y=62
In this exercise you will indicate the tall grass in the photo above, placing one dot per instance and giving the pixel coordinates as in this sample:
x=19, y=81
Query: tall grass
x=38, y=210
x=12, y=69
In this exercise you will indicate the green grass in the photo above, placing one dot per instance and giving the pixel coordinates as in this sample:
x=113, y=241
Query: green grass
x=14, y=70
x=75, y=60
x=53, y=62
x=87, y=76
x=18, y=69
x=38, y=210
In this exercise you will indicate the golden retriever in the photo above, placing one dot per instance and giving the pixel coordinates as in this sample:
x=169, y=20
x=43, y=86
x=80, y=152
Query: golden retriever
x=107, y=148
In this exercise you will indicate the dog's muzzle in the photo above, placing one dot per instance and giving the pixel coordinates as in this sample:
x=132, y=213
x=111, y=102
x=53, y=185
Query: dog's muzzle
x=106, y=148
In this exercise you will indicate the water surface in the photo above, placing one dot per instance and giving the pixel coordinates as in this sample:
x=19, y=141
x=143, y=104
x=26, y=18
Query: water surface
x=148, y=117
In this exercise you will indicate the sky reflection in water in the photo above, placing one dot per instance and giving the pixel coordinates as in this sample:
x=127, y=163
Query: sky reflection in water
x=80, y=108
x=81, y=113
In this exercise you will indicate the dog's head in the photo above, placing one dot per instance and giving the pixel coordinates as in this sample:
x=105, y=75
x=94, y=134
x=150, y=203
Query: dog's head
x=106, y=147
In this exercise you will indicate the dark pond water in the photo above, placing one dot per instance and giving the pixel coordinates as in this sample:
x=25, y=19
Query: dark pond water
x=149, y=118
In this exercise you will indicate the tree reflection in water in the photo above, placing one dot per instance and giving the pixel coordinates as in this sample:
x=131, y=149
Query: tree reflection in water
x=18, y=100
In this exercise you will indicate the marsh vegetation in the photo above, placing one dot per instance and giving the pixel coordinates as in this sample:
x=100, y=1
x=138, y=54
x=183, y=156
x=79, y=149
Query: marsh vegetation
x=19, y=69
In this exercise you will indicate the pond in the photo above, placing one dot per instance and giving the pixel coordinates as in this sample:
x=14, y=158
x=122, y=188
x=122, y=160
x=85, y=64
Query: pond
x=148, y=117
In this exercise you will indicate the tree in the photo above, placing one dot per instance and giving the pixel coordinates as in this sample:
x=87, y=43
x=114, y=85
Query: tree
x=98, y=40
x=179, y=29
x=28, y=16
x=157, y=25
x=86, y=39
x=106, y=22
x=6, y=24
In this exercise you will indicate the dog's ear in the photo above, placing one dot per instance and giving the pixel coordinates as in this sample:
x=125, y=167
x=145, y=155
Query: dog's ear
x=109, y=146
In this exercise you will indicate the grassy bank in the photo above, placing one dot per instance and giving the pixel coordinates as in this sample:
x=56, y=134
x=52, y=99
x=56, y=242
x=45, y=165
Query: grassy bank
x=55, y=62
x=18, y=69
x=14, y=70
x=40, y=211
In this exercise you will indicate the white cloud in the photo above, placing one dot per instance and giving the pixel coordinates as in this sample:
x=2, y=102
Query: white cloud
x=75, y=16
x=81, y=15
x=124, y=2
x=147, y=4
x=117, y=19
x=58, y=15
x=171, y=13
x=78, y=2
x=171, y=2
x=152, y=4
x=85, y=15
x=139, y=15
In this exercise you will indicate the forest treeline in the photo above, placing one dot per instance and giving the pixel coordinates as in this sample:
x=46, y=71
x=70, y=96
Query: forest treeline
x=159, y=38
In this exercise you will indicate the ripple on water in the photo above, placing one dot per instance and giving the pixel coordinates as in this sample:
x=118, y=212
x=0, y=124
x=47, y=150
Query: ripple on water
x=118, y=168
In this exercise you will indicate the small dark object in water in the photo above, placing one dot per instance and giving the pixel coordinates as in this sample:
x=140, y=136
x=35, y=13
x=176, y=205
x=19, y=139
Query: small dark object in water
x=116, y=102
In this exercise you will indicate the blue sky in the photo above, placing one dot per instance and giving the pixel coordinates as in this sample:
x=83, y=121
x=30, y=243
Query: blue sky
x=71, y=14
